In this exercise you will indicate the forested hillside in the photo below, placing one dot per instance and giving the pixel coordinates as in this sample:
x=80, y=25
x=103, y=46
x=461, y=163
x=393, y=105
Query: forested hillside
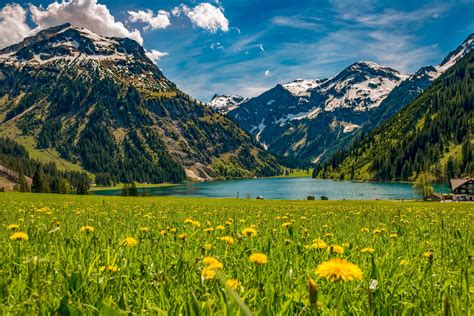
x=432, y=134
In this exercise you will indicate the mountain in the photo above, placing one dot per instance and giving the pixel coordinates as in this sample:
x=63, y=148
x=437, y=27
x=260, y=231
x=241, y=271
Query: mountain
x=409, y=89
x=310, y=120
x=225, y=103
x=304, y=119
x=102, y=104
x=434, y=134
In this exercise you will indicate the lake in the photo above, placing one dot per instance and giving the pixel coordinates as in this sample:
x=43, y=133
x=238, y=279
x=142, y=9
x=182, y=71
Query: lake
x=287, y=189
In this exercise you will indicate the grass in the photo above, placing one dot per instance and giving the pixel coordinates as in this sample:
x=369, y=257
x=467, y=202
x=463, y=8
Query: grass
x=119, y=186
x=297, y=173
x=422, y=262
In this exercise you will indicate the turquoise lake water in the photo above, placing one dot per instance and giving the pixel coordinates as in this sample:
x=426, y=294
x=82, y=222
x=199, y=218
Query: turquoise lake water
x=288, y=189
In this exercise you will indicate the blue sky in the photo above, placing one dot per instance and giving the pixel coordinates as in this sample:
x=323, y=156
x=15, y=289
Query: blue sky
x=247, y=46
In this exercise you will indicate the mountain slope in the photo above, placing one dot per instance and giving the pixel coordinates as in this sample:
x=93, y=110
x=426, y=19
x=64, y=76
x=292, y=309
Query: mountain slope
x=102, y=103
x=225, y=103
x=304, y=119
x=423, y=136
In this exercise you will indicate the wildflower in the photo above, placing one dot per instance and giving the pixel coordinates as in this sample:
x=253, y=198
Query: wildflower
x=13, y=226
x=313, y=292
x=109, y=268
x=233, y=283
x=144, y=229
x=209, y=230
x=163, y=232
x=373, y=284
x=428, y=254
x=19, y=236
x=338, y=269
x=188, y=221
x=129, y=242
x=196, y=224
x=364, y=230
x=403, y=262
x=86, y=229
x=208, y=273
x=212, y=263
x=377, y=231
x=394, y=235
x=335, y=249
x=207, y=246
x=182, y=236
x=229, y=240
x=258, y=258
x=367, y=250
x=286, y=224
x=329, y=235
x=172, y=230
x=220, y=227
x=249, y=231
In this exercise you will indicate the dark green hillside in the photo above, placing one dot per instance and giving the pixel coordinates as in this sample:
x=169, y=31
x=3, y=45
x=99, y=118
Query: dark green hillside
x=434, y=133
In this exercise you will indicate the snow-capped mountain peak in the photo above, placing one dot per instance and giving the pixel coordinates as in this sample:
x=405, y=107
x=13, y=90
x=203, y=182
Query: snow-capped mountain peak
x=457, y=54
x=225, y=103
x=302, y=87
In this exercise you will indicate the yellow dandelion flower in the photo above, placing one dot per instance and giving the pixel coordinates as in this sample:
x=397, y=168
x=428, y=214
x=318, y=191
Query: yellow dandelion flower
x=208, y=273
x=220, y=227
x=338, y=269
x=163, y=232
x=364, y=230
x=13, y=226
x=367, y=250
x=229, y=240
x=188, y=221
x=144, y=229
x=328, y=235
x=286, y=224
x=258, y=258
x=20, y=236
x=196, y=224
x=212, y=263
x=336, y=249
x=182, y=236
x=404, y=262
x=109, y=268
x=172, y=230
x=228, y=223
x=394, y=235
x=377, y=231
x=428, y=254
x=318, y=244
x=249, y=231
x=209, y=230
x=86, y=229
x=207, y=246
x=233, y=283
x=130, y=242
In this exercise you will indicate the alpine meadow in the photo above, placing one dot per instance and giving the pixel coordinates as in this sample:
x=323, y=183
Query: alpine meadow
x=231, y=157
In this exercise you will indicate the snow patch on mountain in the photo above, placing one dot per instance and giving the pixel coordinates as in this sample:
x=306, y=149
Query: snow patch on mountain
x=301, y=87
x=225, y=103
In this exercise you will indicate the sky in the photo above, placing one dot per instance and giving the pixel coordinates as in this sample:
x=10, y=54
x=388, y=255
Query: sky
x=245, y=47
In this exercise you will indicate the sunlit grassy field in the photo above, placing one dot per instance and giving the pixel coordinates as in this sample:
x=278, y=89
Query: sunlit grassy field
x=111, y=255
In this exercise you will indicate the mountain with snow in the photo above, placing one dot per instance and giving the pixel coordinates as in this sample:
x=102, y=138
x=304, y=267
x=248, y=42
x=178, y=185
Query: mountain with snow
x=101, y=103
x=309, y=120
x=225, y=103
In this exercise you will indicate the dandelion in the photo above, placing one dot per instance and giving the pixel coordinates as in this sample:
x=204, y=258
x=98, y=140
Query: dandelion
x=129, y=242
x=258, y=258
x=211, y=261
x=229, y=240
x=338, y=269
x=335, y=249
x=144, y=229
x=86, y=229
x=318, y=244
x=403, y=262
x=208, y=273
x=188, y=221
x=13, y=226
x=377, y=231
x=364, y=230
x=109, y=268
x=196, y=224
x=172, y=230
x=249, y=232
x=328, y=235
x=209, y=230
x=428, y=254
x=182, y=236
x=233, y=283
x=207, y=246
x=394, y=235
x=20, y=236
x=286, y=224
x=367, y=250
x=220, y=227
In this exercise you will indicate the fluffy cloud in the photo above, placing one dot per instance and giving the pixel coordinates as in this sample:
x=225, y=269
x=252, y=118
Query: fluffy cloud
x=155, y=55
x=13, y=27
x=267, y=73
x=83, y=13
x=160, y=21
x=205, y=16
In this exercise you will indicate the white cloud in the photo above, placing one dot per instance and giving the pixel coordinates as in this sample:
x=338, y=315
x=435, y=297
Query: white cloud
x=160, y=21
x=13, y=27
x=205, y=16
x=267, y=73
x=155, y=55
x=82, y=13
x=260, y=46
x=217, y=45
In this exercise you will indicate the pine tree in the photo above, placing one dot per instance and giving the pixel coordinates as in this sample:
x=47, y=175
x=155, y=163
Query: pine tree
x=125, y=189
x=133, y=189
x=37, y=184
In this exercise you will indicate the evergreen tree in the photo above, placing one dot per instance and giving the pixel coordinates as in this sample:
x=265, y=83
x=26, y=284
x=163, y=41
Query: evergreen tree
x=133, y=189
x=37, y=184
